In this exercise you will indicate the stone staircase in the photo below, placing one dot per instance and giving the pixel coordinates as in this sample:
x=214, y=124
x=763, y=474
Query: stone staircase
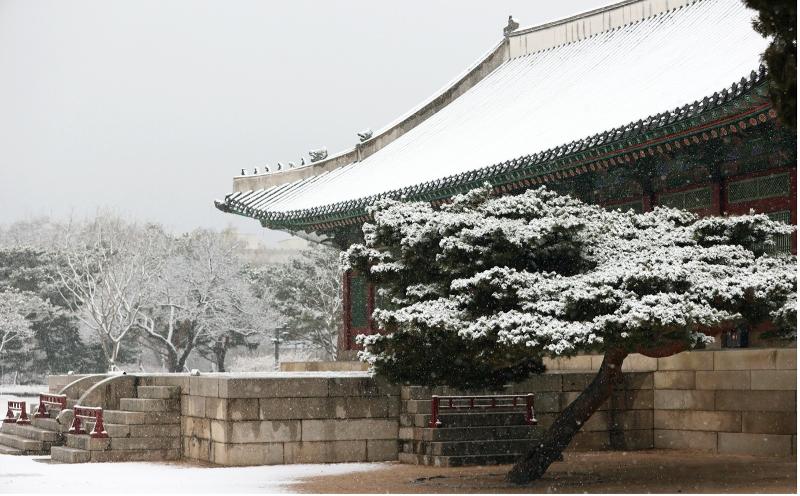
x=145, y=428
x=35, y=439
x=469, y=438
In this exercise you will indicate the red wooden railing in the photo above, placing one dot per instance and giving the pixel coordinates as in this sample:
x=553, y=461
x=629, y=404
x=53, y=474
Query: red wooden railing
x=86, y=413
x=23, y=413
x=46, y=399
x=500, y=401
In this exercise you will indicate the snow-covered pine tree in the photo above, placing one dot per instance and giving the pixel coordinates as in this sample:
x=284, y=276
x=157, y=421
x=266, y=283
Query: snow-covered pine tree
x=477, y=291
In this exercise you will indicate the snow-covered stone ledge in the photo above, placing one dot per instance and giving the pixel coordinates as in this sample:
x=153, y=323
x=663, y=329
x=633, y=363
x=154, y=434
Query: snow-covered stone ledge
x=287, y=417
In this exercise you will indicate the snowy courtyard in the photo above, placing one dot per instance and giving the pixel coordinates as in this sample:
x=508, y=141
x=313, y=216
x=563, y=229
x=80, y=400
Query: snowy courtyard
x=36, y=474
x=609, y=472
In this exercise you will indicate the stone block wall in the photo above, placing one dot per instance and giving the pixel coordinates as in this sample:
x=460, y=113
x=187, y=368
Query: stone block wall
x=285, y=418
x=623, y=422
x=731, y=401
x=740, y=401
x=724, y=401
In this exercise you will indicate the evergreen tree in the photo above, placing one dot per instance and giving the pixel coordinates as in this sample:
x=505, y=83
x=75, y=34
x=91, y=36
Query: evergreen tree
x=777, y=19
x=56, y=345
x=483, y=288
x=306, y=293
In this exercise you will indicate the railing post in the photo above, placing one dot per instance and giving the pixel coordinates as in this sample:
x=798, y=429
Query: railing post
x=10, y=419
x=23, y=414
x=435, y=422
x=42, y=410
x=529, y=418
x=76, y=428
x=99, y=430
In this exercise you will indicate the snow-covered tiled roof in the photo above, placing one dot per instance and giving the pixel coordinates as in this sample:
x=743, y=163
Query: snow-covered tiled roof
x=541, y=101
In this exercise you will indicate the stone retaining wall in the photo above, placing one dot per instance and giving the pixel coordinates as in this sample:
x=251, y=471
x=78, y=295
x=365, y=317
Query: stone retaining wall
x=625, y=422
x=730, y=401
x=281, y=418
x=742, y=401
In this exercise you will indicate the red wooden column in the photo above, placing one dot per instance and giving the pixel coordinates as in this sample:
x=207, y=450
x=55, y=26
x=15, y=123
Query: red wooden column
x=344, y=331
x=364, y=303
x=718, y=202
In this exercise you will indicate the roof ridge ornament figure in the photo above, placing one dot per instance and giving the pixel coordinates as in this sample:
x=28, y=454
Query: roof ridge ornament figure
x=364, y=135
x=318, y=154
x=512, y=26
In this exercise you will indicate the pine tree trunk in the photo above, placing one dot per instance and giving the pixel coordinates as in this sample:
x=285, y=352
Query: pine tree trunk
x=173, y=362
x=548, y=449
x=219, y=355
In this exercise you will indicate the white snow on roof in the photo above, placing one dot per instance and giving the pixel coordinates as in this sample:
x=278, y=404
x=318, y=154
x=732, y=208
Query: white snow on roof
x=550, y=98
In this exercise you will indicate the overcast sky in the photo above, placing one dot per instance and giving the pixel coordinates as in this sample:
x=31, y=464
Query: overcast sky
x=150, y=107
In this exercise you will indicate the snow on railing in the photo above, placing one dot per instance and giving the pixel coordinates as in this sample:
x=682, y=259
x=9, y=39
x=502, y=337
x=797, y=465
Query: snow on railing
x=500, y=401
x=50, y=400
x=23, y=413
x=87, y=414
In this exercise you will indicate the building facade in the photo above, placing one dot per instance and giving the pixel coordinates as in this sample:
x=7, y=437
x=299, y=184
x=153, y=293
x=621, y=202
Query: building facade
x=632, y=106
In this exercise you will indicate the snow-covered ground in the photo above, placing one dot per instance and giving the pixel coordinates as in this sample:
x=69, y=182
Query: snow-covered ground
x=35, y=474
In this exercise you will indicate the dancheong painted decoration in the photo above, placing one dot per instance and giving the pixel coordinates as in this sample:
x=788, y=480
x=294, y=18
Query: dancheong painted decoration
x=634, y=105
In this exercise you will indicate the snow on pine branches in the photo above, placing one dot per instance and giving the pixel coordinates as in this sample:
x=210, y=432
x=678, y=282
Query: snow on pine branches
x=539, y=274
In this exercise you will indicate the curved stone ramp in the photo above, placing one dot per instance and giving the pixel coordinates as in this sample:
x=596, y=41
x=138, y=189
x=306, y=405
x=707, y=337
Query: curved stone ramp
x=142, y=423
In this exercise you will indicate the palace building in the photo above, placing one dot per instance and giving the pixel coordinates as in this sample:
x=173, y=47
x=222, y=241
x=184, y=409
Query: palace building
x=634, y=105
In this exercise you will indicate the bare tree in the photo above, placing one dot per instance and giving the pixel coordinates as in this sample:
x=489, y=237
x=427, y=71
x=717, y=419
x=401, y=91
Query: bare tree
x=14, y=309
x=306, y=291
x=198, y=299
x=108, y=270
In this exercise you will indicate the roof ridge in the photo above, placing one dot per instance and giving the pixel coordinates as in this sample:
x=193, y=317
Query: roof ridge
x=649, y=9
x=649, y=123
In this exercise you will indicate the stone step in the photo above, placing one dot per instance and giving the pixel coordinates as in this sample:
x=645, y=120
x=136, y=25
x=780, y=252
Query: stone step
x=424, y=406
x=466, y=448
x=145, y=443
x=456, y=461
x=50, y=424
x=8, y=450
x=139, y=430
x=29, y=446
x=480, y=433
x=31, y=432
x=149, y=405
x=130, y=418
x=158, y=392
x=482, y=419
x=65, y=454
x=135, y=455
x=87, y=443
x=68, y=454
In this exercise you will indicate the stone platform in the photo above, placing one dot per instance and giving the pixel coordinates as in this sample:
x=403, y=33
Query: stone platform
x=719, y=401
